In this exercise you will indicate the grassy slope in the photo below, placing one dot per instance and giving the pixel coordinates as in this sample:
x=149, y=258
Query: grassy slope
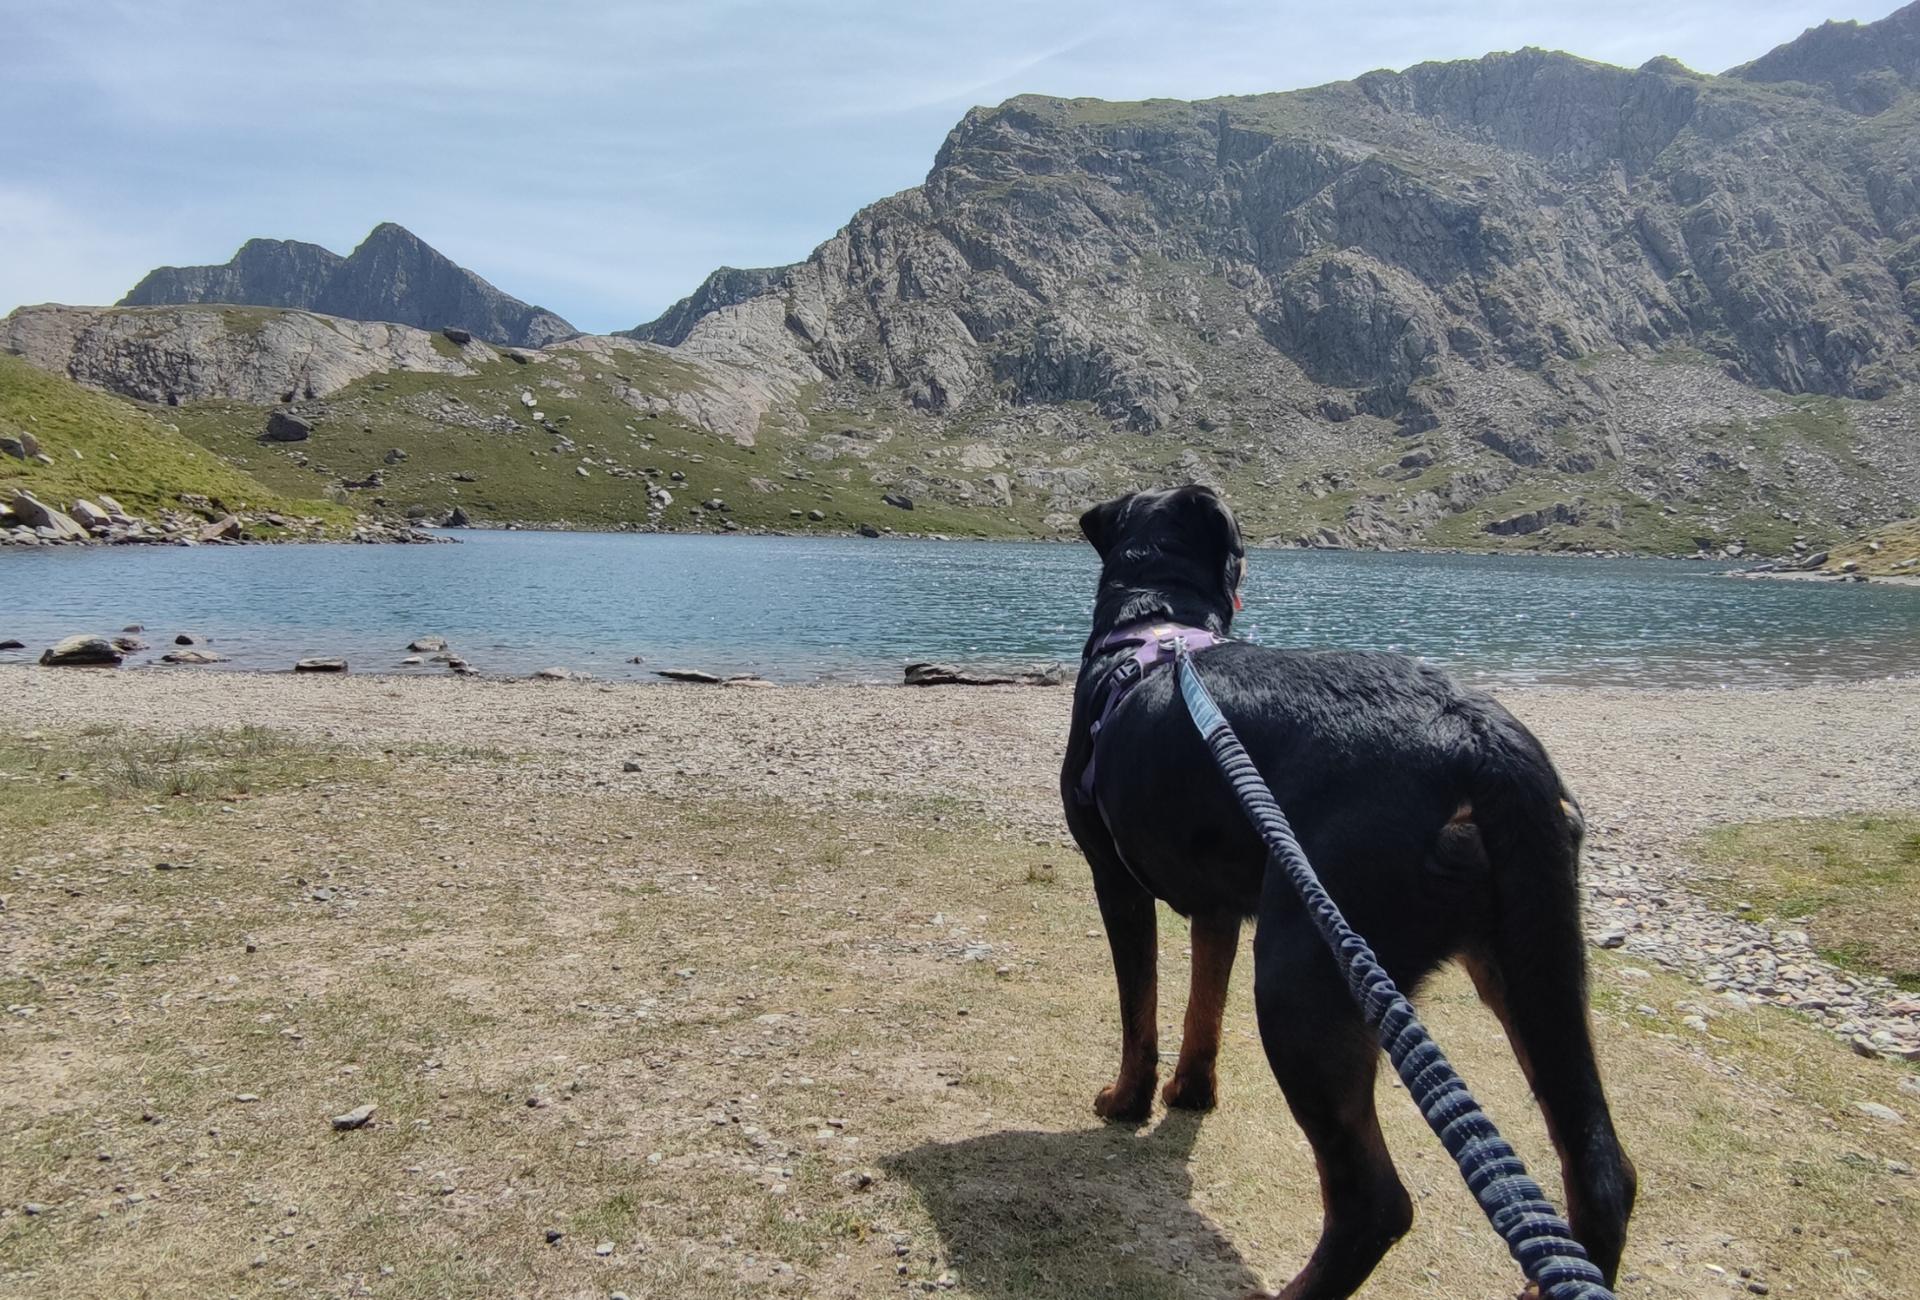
x=1885, y=552
x=123, y=451
x=725, y=1015
x=1852, y=882
x=519, y=476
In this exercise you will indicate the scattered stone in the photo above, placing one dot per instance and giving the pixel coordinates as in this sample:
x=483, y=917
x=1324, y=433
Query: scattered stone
x=457, y=518
x=320, y=665
x=90, y=516
x=1874, y=1110
x=358, y=1117
x=454, y=334
x=189, y=638
x=898, y=500
x=557, y=675
x=555, y=1236
x=948, y=675
x=688, y=675
x=427, y=644
x=37, y=514
x=394, y=456
x=224, y=529
x=867, y=530
x=11, y=644
x=192, y=657
x=246, y=1098
x=604, y=1249
x=816, y=515
x=283, y=426
x=79, y=651
x=632, y=765
x=1612, y=939
x=128, y=644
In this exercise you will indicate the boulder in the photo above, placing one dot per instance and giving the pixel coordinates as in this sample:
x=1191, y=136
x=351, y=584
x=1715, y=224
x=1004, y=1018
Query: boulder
x=116, y=512
x=320, y=665
x=35, y=513
x=192, y=657
x=898, y=500
x=457, y=518
x=89, y=516
x=948, y=675
x=688, y=675
x=867, y=530
x=13, y=447
x=31, y=445
x=454, y=334
x=284, y=426
x=394, y=456
x=427, y=644
x=816, y=515
x=79, y=650
x=224, y=529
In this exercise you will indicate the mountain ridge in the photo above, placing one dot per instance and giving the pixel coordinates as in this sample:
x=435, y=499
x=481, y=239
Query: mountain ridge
x=392, y=276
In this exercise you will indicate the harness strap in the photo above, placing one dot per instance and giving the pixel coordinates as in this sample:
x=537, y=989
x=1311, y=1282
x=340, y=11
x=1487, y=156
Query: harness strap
x=1151, y=644
x=1537, y=1236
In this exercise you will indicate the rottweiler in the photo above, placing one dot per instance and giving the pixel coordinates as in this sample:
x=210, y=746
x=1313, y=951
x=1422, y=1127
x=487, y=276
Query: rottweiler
x=1436, y=820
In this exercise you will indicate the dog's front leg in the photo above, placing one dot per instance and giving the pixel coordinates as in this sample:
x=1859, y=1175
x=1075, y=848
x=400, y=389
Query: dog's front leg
x=1128, y=911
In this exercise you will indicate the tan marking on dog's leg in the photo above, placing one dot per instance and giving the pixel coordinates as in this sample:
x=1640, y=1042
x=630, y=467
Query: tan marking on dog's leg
x=1193, y=1086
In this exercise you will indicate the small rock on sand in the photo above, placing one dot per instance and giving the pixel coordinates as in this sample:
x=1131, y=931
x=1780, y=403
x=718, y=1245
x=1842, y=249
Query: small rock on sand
x=687, y=675
x=320, y=666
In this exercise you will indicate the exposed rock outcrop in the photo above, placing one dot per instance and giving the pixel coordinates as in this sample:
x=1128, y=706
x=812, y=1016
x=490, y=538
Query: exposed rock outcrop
x=182, y=354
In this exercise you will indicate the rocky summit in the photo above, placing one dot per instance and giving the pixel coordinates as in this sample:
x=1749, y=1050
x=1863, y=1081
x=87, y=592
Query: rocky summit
x=392, y=276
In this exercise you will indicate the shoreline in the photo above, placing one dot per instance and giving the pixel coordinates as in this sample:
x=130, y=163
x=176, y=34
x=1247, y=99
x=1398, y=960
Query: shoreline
x=1653, y=768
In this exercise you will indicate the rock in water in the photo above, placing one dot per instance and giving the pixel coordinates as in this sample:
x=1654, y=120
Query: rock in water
x=427, y=644
x=321, y=666
x=11, y=644
x=192, y=657
x=285, y=427
x=81, y=650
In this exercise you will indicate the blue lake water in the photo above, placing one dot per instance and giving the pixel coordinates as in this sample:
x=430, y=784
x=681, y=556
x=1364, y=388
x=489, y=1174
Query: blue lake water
x=811, y=609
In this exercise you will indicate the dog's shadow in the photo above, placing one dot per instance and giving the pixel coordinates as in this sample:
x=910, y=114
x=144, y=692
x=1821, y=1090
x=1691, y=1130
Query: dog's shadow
x=1099, y=1211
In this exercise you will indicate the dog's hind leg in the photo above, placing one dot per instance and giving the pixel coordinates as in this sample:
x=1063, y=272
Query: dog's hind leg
x=1128, y=912
x=1533, y=975
x=1216, y=938
x=1325, y=1058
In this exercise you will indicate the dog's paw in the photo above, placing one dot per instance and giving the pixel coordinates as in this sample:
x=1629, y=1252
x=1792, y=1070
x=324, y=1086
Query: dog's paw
x=1125, y=1103
x=1530, y=1292
x=1195, y=1091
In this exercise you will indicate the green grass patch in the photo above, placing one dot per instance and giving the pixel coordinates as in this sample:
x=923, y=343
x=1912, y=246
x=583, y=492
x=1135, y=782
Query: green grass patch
x=102, y=444
x=1852, y=882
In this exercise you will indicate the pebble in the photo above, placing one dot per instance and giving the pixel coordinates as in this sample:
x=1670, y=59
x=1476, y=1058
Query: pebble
x=1874, y=1110
x=358, y=1117
x=604, y=1249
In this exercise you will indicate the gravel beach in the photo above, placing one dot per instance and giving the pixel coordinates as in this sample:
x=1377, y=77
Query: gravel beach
x=1652, y=768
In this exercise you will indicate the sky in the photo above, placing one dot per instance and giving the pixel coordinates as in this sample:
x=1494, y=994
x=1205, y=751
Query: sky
x=600, y=158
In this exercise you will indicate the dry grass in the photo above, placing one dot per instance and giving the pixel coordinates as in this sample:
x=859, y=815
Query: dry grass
x=1852, y=882
x=1893, y=551
x=726, y=1016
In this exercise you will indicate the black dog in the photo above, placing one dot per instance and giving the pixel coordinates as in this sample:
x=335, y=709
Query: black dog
x=1435, y=818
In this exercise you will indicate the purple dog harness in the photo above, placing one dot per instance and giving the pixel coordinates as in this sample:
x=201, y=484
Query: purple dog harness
x=1152, y=643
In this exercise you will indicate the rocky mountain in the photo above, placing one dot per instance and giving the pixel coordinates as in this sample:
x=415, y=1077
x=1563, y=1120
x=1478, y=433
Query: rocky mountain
x=1489, y=257
x=392, y=276
x=1526, y=301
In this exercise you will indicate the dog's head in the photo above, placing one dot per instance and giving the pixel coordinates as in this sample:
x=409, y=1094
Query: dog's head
x=1169, y=554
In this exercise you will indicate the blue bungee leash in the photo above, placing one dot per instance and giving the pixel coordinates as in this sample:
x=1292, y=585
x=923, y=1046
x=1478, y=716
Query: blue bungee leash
x=1539, y=1238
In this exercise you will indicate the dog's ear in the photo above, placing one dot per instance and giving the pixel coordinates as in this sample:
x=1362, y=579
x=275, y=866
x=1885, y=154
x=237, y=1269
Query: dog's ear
x=1211, y=516
x=1100, y=524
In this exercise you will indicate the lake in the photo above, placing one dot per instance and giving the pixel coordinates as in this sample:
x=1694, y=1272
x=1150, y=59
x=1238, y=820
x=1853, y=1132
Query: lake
x=853, y=609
